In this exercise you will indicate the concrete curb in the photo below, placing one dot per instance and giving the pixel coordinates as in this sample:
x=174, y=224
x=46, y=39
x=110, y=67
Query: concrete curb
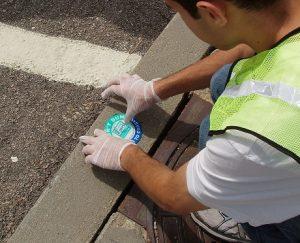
x=175, y=48
x=121, y=229
x=79, y=198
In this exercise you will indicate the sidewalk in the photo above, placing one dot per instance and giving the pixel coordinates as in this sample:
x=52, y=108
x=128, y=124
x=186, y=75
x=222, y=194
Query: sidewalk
x=78, y=204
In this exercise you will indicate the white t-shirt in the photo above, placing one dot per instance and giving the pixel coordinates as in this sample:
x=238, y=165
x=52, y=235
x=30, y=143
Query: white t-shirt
x=245, y=178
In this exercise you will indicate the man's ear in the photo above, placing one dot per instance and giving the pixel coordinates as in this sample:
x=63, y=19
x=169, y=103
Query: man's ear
x=212, y=12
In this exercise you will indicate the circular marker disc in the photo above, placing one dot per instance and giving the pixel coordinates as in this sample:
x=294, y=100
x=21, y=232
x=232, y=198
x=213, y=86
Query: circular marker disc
x=116, y=127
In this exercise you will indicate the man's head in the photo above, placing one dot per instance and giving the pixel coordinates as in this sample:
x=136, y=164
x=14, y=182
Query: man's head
x=223, y=23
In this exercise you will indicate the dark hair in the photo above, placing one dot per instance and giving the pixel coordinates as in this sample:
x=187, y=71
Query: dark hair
x=190, y=5
x=253, y=4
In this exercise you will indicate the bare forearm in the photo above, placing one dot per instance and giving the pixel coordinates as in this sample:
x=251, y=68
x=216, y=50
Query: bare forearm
x=146, y=172
x=165, y=187
x=198, y=75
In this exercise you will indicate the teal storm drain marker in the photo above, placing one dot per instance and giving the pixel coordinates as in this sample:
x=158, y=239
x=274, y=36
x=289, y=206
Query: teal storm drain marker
x=115, y=126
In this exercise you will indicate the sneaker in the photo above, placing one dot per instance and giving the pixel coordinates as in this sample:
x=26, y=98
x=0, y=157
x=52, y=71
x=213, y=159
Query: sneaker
x=220, y=225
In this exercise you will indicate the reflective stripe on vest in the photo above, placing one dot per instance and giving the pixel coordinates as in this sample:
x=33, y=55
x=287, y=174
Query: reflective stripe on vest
x=278, y=90
x=262, y=97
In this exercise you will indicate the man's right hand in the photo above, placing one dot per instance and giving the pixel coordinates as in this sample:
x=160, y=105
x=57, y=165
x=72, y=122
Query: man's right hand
x=139, y=94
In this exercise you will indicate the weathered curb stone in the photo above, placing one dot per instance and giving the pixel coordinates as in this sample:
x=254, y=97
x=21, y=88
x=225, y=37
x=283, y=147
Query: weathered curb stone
x=174, y=49
x=123, y=230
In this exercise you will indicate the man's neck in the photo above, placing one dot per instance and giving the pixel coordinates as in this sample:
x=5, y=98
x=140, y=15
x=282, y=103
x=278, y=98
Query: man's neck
x=267, y=28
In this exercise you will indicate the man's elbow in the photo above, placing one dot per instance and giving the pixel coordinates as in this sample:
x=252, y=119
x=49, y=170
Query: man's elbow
x=175, y=206
x=177, y=210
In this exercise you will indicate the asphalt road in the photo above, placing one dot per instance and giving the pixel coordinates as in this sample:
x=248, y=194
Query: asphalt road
x=40, y=124
x=126, y=25
x=42, y=118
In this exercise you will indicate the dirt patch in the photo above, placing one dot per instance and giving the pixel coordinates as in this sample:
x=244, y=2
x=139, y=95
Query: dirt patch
x=40, y=123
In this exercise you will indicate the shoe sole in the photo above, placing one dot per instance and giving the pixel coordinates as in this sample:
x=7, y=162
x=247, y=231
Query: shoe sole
x=214, y=233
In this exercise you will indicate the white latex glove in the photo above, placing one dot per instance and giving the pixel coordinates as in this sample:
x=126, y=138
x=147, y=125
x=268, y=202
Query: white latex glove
x=104, y=150
x=139, y=94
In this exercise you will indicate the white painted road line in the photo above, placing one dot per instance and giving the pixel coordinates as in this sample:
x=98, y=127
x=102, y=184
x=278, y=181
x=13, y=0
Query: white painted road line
x=62, y=59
